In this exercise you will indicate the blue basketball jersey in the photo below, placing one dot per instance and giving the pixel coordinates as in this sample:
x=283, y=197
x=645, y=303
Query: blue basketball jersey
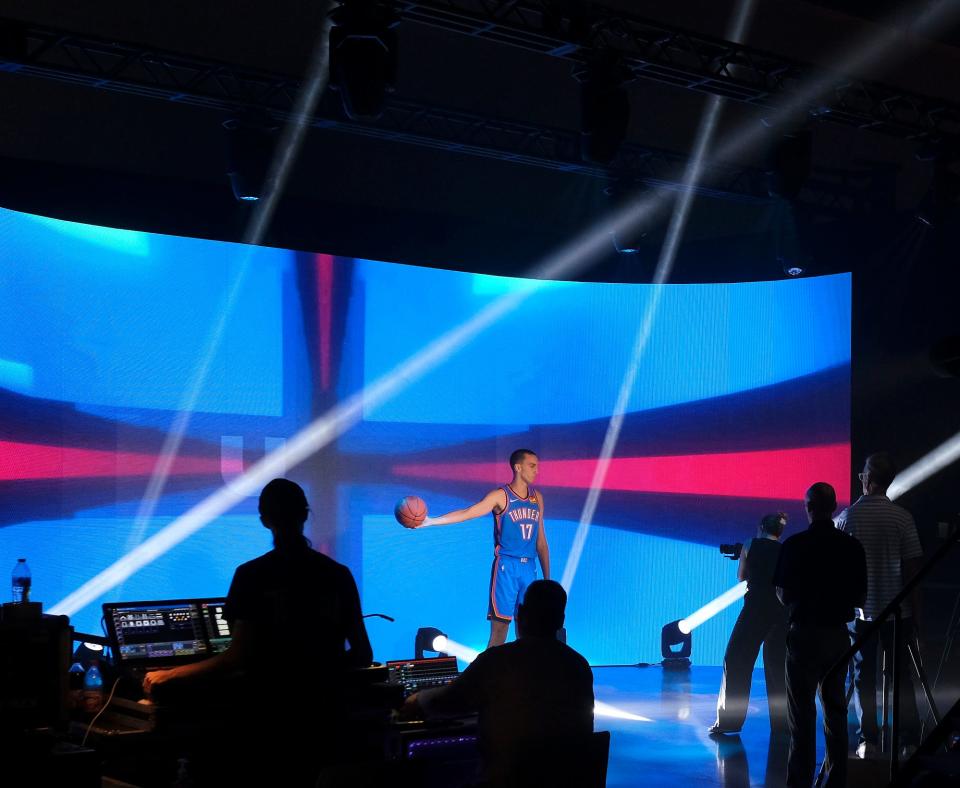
x=516, y=528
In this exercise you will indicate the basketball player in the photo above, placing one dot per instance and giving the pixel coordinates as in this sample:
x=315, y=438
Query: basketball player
x=518, y=539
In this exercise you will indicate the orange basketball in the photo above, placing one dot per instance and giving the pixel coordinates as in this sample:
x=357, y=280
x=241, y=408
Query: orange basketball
x=410, y=511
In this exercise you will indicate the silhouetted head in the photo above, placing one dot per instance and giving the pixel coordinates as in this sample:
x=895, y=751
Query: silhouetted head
x=284, y=509
x=879, y=472
x=541, y=613
x=773, y=524
x=821, y=501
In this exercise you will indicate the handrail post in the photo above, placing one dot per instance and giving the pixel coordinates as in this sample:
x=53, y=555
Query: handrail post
x=913, y=648
x=895, y=701
x=885, y=680
x=873, y=627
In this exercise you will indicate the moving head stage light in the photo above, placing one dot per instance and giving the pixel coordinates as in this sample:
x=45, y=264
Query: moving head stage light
x=672, y=636
x=429, y=639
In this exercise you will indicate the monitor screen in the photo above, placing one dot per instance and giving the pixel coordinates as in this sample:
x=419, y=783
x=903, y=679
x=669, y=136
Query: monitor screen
x=420, y=674
x=215, y=625
x=145, y=633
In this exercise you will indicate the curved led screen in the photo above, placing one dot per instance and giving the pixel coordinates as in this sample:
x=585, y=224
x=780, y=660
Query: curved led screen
x=139, y=373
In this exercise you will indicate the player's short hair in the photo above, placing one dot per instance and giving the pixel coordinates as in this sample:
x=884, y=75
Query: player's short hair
x=544, y=605
x=881, y=468
x=517, y=456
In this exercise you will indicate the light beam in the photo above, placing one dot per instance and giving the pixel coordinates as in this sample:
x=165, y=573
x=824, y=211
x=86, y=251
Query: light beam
x=714, y=606
x=933, y=462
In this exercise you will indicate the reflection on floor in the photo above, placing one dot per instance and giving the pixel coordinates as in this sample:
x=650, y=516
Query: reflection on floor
x=674, y=748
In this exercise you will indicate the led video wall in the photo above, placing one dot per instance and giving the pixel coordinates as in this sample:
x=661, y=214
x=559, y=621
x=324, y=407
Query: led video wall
x=139, y=373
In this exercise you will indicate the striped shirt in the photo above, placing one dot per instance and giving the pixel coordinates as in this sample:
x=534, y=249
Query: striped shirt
x=889, y=537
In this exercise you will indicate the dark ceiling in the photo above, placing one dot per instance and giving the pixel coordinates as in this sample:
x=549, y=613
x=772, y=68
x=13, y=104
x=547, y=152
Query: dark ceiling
x=100, y=151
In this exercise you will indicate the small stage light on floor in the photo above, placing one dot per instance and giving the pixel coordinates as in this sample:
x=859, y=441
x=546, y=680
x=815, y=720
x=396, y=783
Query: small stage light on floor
x=88, y=653
x=672, y=636
x=429, y=639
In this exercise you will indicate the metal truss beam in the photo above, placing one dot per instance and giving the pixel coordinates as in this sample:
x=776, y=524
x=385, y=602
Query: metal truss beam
x=149, y=73
x=571, y=29
x=132, y=69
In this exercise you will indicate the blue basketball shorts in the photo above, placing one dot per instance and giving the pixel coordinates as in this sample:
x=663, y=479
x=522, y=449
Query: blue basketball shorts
x=508, y=583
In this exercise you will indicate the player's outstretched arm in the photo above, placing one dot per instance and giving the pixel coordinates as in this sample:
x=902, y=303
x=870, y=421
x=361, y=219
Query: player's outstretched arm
x=490, y=501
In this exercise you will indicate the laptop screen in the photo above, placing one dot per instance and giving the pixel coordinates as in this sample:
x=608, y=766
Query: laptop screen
x=419, y=674
x=166, y=632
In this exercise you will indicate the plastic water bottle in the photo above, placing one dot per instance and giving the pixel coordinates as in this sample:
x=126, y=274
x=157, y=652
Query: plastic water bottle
x=76, y=676
x=21, y=582
x=92, y=689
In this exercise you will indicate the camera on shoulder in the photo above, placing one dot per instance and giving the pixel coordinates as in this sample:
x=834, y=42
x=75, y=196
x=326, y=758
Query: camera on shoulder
x=732, y=551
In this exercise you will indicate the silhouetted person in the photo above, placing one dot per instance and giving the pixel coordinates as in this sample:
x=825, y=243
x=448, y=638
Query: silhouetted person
x=821, y=577
x=889, y=538
x=528, y=693
x=291, y=612
x=762, y=621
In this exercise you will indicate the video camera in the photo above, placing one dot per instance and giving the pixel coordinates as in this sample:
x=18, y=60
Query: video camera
x=732, y=551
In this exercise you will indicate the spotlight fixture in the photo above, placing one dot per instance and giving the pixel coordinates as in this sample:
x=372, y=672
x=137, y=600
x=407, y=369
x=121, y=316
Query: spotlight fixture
x=621, y=247
x=792, y=268
x=672, y=636
x=941, y=199
x=792, y=233
x=625, y=240
x=363, y=56
x=429, y=639
x=249, y=144
x=604, y=106
x=789, y=163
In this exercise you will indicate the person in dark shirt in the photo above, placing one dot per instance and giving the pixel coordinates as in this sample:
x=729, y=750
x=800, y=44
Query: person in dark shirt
x=291, y=612
x=529, y=693
x=821, y=577
x=762, y=621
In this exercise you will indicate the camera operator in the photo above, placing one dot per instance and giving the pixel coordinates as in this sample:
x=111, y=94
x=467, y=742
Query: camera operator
x=762, y=621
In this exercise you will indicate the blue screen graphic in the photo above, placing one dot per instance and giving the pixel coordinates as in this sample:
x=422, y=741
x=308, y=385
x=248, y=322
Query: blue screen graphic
x=111, y=341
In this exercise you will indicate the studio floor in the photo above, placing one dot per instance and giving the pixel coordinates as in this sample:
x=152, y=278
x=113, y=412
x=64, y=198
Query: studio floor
x=658, y=721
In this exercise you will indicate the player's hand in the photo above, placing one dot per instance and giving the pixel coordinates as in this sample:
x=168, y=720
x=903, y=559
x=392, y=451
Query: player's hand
x=156, y=678
x=411, y=709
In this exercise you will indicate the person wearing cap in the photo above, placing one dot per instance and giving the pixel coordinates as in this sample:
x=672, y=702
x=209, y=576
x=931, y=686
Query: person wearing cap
x=889, y=537
x=762, y=621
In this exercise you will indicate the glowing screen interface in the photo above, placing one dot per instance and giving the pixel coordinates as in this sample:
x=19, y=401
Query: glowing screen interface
x=158, y=632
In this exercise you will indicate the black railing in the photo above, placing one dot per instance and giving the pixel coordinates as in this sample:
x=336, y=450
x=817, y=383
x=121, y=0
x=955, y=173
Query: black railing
x=873, y=630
